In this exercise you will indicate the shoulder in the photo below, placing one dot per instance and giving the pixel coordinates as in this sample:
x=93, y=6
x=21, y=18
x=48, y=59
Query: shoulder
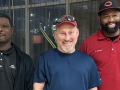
x=26, y=59
x=85, y=60
x=84, y=56
x=48, y=54
x=22, y=55
x=90, y=41
x=91, y=38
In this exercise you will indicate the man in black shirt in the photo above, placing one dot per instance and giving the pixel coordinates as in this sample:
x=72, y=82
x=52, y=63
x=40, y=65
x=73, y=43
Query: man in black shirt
x=16, y=67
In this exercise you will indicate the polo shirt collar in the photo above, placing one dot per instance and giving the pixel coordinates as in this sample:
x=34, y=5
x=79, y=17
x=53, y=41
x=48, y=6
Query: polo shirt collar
x=101, y=36
x=9, y=51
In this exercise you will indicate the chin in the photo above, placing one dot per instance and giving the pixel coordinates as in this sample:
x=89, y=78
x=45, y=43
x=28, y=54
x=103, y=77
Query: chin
x=67, y=49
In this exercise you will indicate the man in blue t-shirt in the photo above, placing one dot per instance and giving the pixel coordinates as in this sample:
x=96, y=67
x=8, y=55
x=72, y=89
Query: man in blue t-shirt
x=66, y=68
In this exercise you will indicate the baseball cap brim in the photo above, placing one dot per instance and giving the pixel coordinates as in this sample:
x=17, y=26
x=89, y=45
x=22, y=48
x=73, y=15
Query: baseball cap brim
x=71, y=22
x=99, y=13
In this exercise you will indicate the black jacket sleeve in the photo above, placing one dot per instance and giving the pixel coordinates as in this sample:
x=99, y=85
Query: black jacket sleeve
x=29, y=69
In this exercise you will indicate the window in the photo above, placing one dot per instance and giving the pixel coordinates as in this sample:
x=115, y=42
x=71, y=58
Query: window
x=46, y=16
x=18, y=18
x=43, y=1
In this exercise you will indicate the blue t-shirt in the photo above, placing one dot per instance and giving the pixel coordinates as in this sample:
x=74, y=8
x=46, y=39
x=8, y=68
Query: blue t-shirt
x=60, y=71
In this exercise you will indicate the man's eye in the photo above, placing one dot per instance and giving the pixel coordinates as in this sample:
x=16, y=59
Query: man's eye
x=105, y=16
x=5, y=25
x=71, y=32
x=63, y=33
x=114, y=15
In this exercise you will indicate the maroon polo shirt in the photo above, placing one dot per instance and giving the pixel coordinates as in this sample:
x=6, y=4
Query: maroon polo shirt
x=106, y=54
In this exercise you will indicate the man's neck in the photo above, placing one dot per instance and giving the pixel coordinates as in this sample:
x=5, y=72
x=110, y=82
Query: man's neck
x=4, y=47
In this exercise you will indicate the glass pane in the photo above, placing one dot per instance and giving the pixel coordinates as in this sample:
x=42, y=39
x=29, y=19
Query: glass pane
x=42, y=1
x=18, y=17
x=18, y=2
x=46, y=16
x=5, y=11
x=86, y=17
x=4, y=3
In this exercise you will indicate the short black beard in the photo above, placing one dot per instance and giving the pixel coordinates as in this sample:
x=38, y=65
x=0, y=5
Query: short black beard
x=110, y=30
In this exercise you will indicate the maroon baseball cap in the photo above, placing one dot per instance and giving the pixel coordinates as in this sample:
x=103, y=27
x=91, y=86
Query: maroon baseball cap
x=66, y=19
x=107, y=5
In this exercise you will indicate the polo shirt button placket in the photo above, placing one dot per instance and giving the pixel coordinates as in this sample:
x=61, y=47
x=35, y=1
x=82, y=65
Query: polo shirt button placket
x=112, y=47
x=1, y=53
x=1, y=58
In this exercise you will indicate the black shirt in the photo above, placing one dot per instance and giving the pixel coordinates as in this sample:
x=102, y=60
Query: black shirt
x=7, y=69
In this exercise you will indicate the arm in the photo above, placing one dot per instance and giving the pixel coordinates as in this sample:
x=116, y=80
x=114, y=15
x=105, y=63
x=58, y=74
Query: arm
x=95, y=88
x=29, y=73
x=39, y=74
x=38, y=86
x=94, y=77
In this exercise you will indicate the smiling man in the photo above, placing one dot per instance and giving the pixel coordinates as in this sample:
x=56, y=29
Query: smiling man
x=104, y=46
x=66, y=68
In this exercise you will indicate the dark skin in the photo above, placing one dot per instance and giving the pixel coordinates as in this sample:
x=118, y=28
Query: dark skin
x=110, y=16
x=5, y=34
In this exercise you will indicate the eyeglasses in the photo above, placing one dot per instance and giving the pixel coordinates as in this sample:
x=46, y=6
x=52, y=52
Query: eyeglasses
x=65, y=17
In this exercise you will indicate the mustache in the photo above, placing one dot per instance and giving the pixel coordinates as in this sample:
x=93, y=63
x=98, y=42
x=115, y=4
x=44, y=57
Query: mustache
x=2, y=34
x=110, y=23
x=106, y=25
x=67, y=40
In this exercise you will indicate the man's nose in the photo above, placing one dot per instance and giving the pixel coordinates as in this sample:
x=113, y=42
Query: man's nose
x=111, y=19
x=67, y=37
x=0, y=29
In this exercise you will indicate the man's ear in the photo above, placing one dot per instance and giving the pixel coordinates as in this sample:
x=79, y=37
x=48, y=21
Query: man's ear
x=119, y=15
x=12, y=29
x=78, y=32
x=55, y=34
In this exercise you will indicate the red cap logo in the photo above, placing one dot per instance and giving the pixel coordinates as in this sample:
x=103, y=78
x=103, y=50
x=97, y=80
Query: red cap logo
x=108, y=3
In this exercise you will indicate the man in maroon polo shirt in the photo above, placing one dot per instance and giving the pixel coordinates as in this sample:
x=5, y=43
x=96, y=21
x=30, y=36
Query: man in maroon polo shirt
x=104, y=46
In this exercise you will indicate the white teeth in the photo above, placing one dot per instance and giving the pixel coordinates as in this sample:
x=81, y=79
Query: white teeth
x=66, y=42
x=112, y=25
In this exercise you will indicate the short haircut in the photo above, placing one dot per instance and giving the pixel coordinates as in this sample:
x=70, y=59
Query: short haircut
x=3, y=15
